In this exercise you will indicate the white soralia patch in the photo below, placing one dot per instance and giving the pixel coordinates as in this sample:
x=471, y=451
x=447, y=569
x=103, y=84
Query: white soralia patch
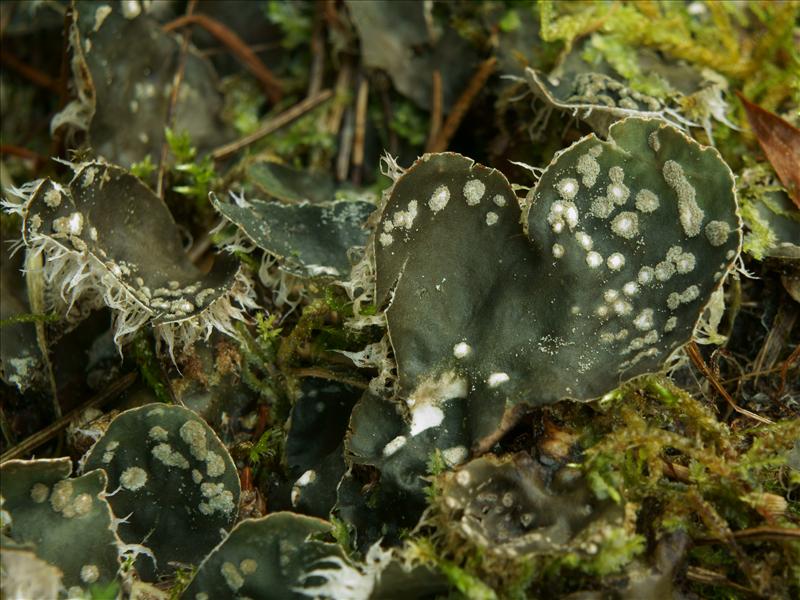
x=499, y=200
x=685, y=263
x=496, y=379
x=618, y=193
x=39, y=492
x=169, y=457
x=630, y=289
x=89, y=573
x=193, y=433
x=622, y=308
x=673, y=300
x=689, y=212
x=403, y=219
x=646, y=201
x=158, y=433
x=594, y=259
x=439, y=198
x=646, y=275
x=558, y=250
x=567, y=188
x=473, y=191
x=717, y=232
x=385, y=239
x=670, y=324
x=133, y=478
x=664, y=270
x=690, y=294
x=610, y=295
x=654, y=142
x=462, y=350
x=602, y=207
x=584, y=240
x=491, y=218
x=425, y=417
x=626, y=225
x=394, y=445
x=588, y=168
x=644, y=320
x=218, y=499
x=231, y=575
x=455, y=455
x=616, y=261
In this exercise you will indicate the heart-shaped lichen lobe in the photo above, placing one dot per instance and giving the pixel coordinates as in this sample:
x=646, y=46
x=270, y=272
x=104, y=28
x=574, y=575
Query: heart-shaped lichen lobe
x=108, y=240
x=174, y=478
x=625, y=242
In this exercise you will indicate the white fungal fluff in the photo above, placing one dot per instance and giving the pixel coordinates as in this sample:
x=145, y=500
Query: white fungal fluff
x=491, y=218
x=616, y=261
x=567, y=188
x=584, y=240
x=558, y=250
x=462, y=350
x=473, y=192
x=394, y=445
x=439, y=198
x=496, y=379
x=593, y=259
x=424, y=417
x=630, y=289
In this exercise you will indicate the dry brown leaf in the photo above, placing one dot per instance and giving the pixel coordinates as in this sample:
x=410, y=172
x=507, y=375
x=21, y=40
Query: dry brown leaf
x=780, y=141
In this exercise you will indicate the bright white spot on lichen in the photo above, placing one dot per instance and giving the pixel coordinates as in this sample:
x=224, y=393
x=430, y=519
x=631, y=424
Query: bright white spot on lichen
x=630, y=289
x=685, y=263
x=218, y=499
x=232, y=576
x=690, y=214
x=589, y=169
x=610, y=295
x=558, y=250
x=626, y=225
x=133, y=478
x=52, y=198
x=158, y=433
x=664, y=270
x=39, y=492
x=62, y=494
x=646, y=275
x=499, y=200
x=561, y=213
x=644, y=320
x=558, y=227
x=689, y=294
x=616, y=261
x=455, y=455
x=584, y=240
x=404, y=219
x=307, y=477
x=567, y=188
x=602, y=311
x=171, y=458
x=215, y=464
x=593, y=259
x=618, y=193
x=571, y=214
x=602, y=207
x=386, y=239
x=439, y=198
x=89, y=573
x=646, y=201
x=193, y=433
x=670, y=324
x=717, y=232
x=462, y=350
x=654, y=142
x=491, y=218
x=394, y=445
x=463, y=478
x=496, y=379
x=473, y=191
x=651, y=337
x=425, y=417
x=622, y=308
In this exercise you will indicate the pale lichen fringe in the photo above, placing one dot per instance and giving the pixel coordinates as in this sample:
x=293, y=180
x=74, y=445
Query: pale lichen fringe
x=343, y=580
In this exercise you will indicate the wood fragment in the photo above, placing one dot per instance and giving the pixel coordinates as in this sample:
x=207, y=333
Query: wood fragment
x=780, y=141
x=283, y=119
x=360, y=130
x=30, y=73
x=436, y=109
x=694, y=354
x=29, y=444
x=272, y=86
x=757, y=534
x=462, y=105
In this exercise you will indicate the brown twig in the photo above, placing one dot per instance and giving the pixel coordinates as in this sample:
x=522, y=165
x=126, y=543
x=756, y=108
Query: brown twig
x=317, y=53
x=360, y=130
x=462, y=105
x=21, y=152
x=436, y=109
x=694, y=354
x=785, y=370
x=173, y=102
x=57, y=144
x=273, y=88
x=283, y=119
x=708, y=577
x=30, y=73
x=757, y=534
x=29, y=444
x=329, y=375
